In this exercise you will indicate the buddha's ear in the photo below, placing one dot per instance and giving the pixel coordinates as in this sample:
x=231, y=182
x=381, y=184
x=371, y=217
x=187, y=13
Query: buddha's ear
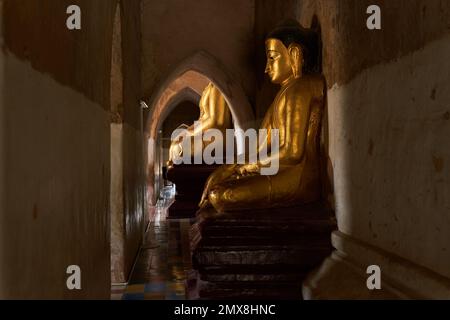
x=296, y=56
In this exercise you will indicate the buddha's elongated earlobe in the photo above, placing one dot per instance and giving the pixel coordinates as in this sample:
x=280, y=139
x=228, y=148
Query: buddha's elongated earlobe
x=296, y=57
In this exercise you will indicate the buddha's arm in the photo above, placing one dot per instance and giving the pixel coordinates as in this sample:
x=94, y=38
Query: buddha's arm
x=295, y=124
x=265, y=125
x=194, y=130
x=251, y=168
x=217, y=109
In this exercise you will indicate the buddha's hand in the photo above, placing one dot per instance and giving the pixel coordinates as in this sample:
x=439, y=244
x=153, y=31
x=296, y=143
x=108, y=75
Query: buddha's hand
x=247, y=169
x=221, y=174
x=204, y=202
x=179, y=138
x=175, y=153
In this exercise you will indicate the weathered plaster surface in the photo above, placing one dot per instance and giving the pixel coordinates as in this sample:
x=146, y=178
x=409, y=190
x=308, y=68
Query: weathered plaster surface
x=56, y=185
x=174, y=30
x=135, y=215
x=35, y=31
x=117, y=206
x=128, y=217
x=349, y=47
x=133, y=173
x=388, y=126
x=394, y=119
x=80, y=62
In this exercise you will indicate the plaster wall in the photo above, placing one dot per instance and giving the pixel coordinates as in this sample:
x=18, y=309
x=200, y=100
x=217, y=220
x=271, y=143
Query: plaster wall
x=117, y=206
x=398, y=127
x=128, y=214
x=136, y=218
x=57, y=99
x=387, y=137
x=56, y=183
x=174, y=30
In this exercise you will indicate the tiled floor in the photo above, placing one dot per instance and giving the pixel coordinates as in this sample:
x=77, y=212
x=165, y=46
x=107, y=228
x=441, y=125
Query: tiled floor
x=117, y=291
x=160, y=269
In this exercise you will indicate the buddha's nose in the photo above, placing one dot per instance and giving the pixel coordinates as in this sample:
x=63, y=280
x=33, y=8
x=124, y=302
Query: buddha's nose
x=267, y=68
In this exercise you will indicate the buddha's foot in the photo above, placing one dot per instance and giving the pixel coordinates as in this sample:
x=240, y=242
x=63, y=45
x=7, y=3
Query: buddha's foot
x=209, y=212
x=204, y=203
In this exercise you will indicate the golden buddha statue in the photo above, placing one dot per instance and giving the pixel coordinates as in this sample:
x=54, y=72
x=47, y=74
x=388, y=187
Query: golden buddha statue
x=296, y=113
x=214, y=114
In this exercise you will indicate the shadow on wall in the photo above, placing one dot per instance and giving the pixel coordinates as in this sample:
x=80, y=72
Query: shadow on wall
x=326, y=166
x=388, y=134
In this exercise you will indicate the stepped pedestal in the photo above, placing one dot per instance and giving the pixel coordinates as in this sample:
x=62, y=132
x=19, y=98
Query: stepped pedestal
x=190, y=181
x=258, y=254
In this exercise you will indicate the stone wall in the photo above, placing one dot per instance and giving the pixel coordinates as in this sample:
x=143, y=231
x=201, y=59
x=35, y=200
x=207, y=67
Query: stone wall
x=388, y=118
x=174, y=30
x=56, y=150
x=130, y=218
x=55, y=144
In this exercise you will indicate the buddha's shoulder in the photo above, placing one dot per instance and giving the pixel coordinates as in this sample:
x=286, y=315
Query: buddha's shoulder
x=313, y=84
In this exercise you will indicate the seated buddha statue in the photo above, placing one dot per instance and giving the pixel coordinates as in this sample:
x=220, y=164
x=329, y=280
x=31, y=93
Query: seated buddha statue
x=296, y=112
x=214, y=114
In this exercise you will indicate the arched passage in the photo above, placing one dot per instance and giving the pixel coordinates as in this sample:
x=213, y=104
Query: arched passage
x=188, y=78
x=185, y=94
x=208, y=67
x=186, y=97
x=156, y=155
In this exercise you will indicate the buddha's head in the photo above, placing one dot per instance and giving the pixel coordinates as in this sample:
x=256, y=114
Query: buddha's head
x=291, y=52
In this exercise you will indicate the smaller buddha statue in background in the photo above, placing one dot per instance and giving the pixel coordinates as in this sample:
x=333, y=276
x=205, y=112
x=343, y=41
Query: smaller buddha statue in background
x=214, y=114
x=292, y=54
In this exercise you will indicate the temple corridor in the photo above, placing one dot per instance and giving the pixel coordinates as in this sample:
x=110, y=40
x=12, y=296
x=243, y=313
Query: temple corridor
x=92, y=205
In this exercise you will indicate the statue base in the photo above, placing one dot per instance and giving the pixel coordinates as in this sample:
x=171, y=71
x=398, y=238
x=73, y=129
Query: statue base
x=258, y=254
x=190, y=180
